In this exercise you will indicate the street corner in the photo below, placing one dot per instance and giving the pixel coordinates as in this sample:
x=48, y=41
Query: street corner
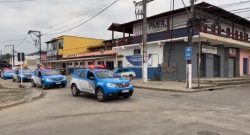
x=15, y=96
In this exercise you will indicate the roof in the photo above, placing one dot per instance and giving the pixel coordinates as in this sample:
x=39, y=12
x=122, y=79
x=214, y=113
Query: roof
x=128, y=27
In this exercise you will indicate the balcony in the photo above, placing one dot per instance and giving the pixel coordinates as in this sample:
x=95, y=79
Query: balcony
x=236, y=35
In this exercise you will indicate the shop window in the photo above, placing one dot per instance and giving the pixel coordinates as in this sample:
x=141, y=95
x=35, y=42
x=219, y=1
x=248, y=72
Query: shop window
x=90, y=63
x=100, y=63
x=137, y=51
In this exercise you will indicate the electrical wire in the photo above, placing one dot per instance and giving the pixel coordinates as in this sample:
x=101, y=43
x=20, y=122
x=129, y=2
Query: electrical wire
x=236, y=3
x=22, y=41
x=15, y=1
x=55, y=33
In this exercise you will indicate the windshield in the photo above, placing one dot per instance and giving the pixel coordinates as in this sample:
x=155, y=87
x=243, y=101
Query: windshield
x=104, y=74
x=49, y=72
x=26, y=71
x=8, y=71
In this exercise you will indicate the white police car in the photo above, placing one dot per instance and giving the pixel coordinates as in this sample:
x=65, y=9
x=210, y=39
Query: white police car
x=100, y=82
x=48, y=78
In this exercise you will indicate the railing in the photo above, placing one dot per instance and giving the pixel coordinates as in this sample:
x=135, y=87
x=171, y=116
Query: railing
x=217, y=30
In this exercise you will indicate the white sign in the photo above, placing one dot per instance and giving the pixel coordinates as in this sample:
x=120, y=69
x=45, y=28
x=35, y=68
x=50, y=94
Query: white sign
x=154, y=26
x=209, y=49
x=52, y=53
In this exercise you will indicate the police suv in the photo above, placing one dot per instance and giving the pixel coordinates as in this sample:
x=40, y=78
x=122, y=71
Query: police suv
x=48, y=78
x=25, y=75
x=100, y=82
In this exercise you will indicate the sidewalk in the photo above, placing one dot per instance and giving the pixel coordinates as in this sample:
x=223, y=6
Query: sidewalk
x=11, y=94
x=174, y=86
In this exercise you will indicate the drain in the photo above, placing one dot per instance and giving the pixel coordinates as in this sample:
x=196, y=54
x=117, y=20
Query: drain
x=207, y=133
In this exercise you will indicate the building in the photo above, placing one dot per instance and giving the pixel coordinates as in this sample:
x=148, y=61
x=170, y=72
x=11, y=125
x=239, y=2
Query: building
x=61, y=50
x=221, y=41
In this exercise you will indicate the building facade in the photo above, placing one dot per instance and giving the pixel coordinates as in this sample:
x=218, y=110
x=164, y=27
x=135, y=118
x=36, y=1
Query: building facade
x=220, y=43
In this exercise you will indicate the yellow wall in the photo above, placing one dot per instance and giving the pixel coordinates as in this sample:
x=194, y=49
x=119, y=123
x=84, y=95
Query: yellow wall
x=75, y=45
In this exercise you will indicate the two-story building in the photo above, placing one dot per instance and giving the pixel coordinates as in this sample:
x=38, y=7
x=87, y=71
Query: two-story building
x=219, y=39
x=63, y=47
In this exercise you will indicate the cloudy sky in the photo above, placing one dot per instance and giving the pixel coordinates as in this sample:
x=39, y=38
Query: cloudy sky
x=52, y=16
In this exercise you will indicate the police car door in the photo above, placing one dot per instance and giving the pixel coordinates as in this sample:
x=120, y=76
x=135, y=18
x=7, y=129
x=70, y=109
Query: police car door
x=38, y=78
x=82, y=82
x=91, y=82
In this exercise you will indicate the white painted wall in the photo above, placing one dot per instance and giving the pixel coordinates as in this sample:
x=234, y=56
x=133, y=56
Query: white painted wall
x=154, y=49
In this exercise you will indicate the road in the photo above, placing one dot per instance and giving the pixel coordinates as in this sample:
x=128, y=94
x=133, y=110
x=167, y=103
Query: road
x=226, y=112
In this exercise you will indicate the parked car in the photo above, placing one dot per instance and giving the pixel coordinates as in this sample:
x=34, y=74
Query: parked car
x=124, y=72
x=48, y=78
x=25, y=75
x=101, y=83
x=7, y=74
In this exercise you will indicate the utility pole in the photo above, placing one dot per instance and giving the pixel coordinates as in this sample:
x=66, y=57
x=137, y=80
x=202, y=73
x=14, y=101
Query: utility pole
x=190, y=42
x=13, y=54
x=39, y=36
x=143, y=11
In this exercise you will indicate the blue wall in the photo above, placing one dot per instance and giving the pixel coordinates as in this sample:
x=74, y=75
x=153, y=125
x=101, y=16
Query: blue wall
x=151, y=72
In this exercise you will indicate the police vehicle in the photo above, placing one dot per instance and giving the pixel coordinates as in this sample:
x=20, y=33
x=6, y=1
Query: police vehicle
x=48, y=78
x=7, y=74
x=25, y=75
x=100, y=82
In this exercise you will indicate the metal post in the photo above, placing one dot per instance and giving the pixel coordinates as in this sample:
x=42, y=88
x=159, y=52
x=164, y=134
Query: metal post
x=116, y=54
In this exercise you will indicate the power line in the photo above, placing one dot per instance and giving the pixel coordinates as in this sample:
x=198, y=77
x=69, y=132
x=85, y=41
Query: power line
x=22, y=41
x=15, y=1
x=84, y=21
x=236, y=3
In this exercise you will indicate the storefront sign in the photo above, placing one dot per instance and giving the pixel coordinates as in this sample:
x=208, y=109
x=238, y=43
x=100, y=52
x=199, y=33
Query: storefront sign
x=209, y=49
x=154, y=26
x=52, y=53
x=232, y=52
x=136, y=60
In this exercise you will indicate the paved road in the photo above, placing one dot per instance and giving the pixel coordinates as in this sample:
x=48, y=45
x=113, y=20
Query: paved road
x=147, y=113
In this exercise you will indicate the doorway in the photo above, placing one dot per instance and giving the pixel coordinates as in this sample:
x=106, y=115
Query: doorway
x=110, y=65
x=245, y=66
x=216, y=66
x=231, y=67
x=203, y=65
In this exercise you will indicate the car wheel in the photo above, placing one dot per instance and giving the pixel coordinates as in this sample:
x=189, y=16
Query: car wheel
x=74, y=90
x=33, y=83
x=126, y=96
x=44, y=86
x=100, y=95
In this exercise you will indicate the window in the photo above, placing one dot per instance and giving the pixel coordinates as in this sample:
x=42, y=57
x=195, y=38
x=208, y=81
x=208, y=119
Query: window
x=137, y=51
x=119, y=71
x=125, y=70
x=90, y=63
x=119, y=64
x=82, y=63
x=83, y=74
x=76, y=63
x=90, y=75
x=100, y=63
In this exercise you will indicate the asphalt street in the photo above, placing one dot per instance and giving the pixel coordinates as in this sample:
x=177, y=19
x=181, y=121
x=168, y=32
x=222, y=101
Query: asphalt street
x=225, y=112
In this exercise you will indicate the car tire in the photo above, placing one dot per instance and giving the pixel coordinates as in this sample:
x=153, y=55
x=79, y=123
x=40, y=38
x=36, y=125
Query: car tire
x=74, y=91
x=101, y=97
x=44, y=86
x=126, y=96
x=33, y=83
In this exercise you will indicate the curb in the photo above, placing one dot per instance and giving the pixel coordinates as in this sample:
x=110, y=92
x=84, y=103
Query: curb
x=190, y=91
x=22, y=101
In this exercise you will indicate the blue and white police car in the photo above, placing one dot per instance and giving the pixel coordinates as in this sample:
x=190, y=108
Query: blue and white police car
x=7, y=74
x=48, y=78
x=25, y=75
x=100, y=82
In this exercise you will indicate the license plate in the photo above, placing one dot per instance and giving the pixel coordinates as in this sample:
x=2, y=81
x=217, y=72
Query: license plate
x=58, y=83
x=125, y=91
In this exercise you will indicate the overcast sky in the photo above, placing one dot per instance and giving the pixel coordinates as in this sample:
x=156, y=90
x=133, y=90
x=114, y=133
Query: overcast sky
x=51, y=16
